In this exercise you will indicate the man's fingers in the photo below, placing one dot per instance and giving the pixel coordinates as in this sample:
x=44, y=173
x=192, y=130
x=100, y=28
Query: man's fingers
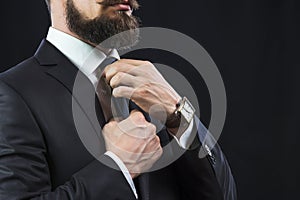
x=123, y=91
x=111, y=70
x=134, y=62
x=123, y=79
x=124, y=65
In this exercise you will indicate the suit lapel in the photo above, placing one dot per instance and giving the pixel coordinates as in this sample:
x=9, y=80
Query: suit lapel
x=56, y=64
x=84, y=104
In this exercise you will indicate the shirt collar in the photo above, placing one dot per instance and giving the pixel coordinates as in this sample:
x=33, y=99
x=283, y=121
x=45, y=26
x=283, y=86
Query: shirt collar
x=84, y=56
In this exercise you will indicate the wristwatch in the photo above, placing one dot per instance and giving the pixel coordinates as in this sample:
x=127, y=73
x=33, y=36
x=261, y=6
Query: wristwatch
x=182, y=116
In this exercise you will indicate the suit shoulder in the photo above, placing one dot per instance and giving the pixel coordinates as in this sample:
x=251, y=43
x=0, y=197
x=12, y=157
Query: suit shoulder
x=22, y=68
x=22, y=73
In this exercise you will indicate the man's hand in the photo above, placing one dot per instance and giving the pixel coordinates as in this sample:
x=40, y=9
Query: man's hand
x=134, y=141
x=141, y=82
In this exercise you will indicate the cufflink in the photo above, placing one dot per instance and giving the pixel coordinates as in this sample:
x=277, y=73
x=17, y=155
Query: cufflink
x=212, y=157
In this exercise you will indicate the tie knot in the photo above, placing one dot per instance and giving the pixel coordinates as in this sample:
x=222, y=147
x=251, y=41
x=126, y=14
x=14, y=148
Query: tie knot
x=100, y=68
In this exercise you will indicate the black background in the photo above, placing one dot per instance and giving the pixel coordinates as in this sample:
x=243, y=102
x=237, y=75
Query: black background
x=255, y=44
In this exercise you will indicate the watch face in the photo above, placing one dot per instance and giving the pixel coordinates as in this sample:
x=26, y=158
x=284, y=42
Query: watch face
x=188, y=110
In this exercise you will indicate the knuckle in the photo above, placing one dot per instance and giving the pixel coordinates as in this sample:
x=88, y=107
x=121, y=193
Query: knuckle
x=150, y=65
x=111, y=124
x=157, y=139
x=155, y=143
x=159, y=150
x=152, y=128
x=157, y=154
x=138, y=115
x=147, y=62
x=107, y=126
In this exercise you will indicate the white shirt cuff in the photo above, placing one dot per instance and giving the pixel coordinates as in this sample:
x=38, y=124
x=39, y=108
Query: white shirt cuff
x=185, y=139
x=124, y=170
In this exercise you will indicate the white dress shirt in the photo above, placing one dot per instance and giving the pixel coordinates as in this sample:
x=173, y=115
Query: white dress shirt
x=87, y=58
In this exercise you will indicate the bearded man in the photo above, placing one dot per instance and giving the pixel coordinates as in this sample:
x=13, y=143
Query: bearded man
x=47, y=153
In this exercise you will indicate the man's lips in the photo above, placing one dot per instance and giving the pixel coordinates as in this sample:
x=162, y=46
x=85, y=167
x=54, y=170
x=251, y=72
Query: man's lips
x=122, y=7
x=119, y=6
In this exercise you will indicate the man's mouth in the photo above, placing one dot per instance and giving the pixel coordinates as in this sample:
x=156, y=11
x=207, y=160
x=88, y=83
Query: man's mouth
x=119, y=6
x=122, y=7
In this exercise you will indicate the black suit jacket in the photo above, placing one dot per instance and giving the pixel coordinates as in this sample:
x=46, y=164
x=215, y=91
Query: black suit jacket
x=42, y=155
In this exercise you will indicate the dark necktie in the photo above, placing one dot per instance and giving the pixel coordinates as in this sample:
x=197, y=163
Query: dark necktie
x=118, y=108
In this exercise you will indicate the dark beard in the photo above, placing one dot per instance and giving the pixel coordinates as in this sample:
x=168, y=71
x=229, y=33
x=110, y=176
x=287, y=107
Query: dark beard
x=97, y=31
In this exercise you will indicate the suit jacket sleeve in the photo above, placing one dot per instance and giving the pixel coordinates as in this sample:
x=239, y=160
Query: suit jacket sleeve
x=24, y=170
x=207, y=176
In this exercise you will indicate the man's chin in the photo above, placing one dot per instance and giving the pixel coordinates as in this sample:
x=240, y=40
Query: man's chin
x=123, y=40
